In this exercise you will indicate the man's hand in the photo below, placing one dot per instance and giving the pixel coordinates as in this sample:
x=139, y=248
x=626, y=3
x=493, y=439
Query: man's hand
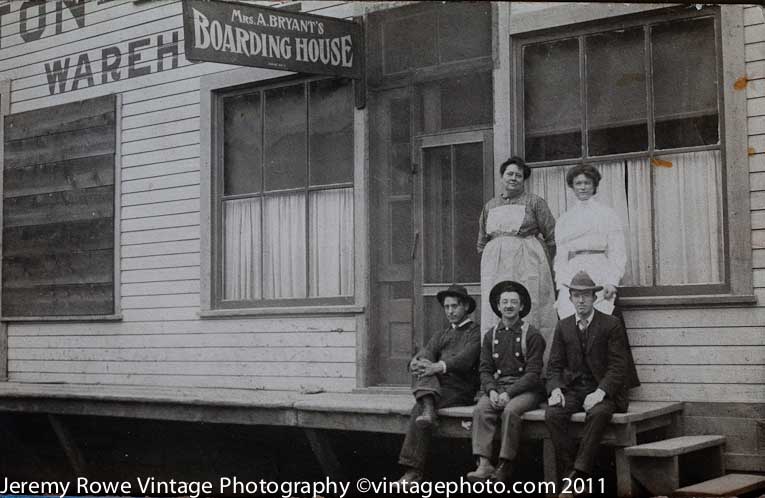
x=556, y=398
x=414, y=365
x=494, y=399
x=430, y=368
x=609, y=291
x=503, y=399
x=593, y=399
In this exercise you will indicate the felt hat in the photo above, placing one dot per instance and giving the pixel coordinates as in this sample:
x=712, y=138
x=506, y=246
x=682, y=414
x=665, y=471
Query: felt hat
x=459, y=292
x=510, y=286
x=583, y=282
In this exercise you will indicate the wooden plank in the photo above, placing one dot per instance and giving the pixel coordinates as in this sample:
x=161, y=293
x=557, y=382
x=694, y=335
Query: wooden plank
x=157, y=288
x=168, y=274
x=161, y=301
x=755, y=70
x=241, y=382
x=167, y=181
x=83, y=236
x=90, y=113
x=745, y=462
x=704, y=374
x=757, y=181
x=155, y=170
x=727, y=485
x=163, y=261
x=700, y=355
x=159, y=117
x=25, y=272
x=75, y=174
x=143, y=214
x=287, y=326
x=152, y=315
x=724, y=410
x=181, y=353
x=89, y=299
x=169, y=194
x=757, y=200
x=674, y=446
x=754, y=52
x=156, y=249
x=757, y=142
x=159, y=105
x=758, y=221
x=753, y=16
x=59, y=207
x=60, y=147
x=756, y=125
x=65, y=438
x=758, y=238
x=161, y=235
x=739, y=432
x=159, y=156
x=212, y=368
x=161, y=143
x=698, y=336
x=722, y=393
x=756, y=163
x=162, y=129
x=754, y=33
x=673, y=318
x=756, y=107
x=166, y=88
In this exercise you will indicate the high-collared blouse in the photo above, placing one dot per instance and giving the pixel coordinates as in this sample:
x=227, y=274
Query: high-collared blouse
x=590, y=226
x=537, y=219
x=504, y=368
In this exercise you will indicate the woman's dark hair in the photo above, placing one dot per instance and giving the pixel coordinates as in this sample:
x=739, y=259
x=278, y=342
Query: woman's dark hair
x=518, y=162
x=584, y=169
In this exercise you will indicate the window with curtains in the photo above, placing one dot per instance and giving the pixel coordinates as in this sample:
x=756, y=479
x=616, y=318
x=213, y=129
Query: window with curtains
x=642, y=102
x=285, y=194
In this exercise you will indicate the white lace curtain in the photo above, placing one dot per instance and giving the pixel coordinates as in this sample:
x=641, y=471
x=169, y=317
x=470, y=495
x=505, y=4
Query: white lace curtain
x=673, y=220
x=273, y=263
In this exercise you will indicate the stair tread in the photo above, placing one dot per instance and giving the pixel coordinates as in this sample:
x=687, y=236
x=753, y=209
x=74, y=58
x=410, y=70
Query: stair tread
x=674, y=446
x=727, y=485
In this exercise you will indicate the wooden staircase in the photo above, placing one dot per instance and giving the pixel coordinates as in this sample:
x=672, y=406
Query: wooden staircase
x=671, y=467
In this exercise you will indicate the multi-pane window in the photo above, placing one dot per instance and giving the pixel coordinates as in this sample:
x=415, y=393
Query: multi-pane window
x=285, y=204
x=642, y=103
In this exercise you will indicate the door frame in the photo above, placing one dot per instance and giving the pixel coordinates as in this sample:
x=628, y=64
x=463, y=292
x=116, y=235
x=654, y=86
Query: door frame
x=420, y=143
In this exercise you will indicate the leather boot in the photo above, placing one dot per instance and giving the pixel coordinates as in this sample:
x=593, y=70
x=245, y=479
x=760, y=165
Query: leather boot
x=428, y=417
x=503, y=472
x=484, y=471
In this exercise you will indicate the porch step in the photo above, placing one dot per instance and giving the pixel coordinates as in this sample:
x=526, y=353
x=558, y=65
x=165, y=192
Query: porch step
x=674, y=446
x=664, y=466
x=728, y=485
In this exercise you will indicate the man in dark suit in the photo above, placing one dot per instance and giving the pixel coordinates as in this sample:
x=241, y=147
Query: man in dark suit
x=447, y=375
x=590, y=368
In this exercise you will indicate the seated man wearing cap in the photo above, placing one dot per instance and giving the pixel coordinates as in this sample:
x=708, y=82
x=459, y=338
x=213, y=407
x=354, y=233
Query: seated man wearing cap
x=590, y=369
x=510, y=369
x=447, y=375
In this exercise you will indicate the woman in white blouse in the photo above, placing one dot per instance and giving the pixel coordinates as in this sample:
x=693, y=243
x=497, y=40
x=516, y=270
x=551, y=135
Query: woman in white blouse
x=589, y=237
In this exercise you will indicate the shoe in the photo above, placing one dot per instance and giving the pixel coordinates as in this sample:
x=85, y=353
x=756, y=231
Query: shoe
x=503, y=471
x=428, y=417
x=410, y=476
x=482, y=473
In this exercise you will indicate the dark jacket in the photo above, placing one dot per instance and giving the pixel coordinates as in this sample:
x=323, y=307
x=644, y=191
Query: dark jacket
x=607, y=354
x=504, y=368
x=460, y=349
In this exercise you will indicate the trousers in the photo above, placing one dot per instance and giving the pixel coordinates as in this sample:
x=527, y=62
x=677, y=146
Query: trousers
x=485, y=424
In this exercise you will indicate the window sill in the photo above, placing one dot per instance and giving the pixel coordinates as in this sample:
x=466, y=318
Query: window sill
x=284, y=311
x=686, y=301
x=82, y=318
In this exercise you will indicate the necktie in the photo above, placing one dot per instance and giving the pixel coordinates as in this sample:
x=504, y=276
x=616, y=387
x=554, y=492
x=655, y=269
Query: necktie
x=582, y=323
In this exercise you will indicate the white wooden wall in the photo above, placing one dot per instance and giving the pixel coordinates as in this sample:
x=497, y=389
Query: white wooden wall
x=161, y=341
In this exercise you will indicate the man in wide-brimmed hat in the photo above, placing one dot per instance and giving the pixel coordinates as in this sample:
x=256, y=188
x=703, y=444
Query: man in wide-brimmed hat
x=511, y=368
x=447, y=375
x=590, y=369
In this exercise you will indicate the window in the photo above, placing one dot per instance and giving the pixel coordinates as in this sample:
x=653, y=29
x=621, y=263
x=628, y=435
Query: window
x=284, y=204
x=58, y=211
x=641, y=101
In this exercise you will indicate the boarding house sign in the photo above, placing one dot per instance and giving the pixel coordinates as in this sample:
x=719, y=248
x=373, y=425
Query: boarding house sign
x=248, y=35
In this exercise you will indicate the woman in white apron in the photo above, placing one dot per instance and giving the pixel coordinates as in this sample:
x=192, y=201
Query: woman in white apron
x=517, y=238
x=589, y=237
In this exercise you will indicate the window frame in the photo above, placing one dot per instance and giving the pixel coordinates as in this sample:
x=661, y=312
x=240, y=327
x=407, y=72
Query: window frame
x=213, y=89
x=729, y=45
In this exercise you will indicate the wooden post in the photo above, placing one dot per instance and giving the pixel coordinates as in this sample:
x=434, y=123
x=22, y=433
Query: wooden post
x=73, y=453
x=625, y=487
x=322, y=449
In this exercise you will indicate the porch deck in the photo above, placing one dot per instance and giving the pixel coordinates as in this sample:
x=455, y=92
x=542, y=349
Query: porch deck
x=337, y=411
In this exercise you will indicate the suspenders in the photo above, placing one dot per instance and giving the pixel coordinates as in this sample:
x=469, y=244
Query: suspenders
x=524, y=331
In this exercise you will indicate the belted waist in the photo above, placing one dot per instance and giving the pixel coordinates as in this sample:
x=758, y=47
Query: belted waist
x=497, y=234
x=573, y=254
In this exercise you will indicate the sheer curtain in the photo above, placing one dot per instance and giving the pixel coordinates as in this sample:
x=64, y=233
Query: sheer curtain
x=241, y=254
x=284, y=246
x=550, y=185
x=331, y=256
x=688, y=210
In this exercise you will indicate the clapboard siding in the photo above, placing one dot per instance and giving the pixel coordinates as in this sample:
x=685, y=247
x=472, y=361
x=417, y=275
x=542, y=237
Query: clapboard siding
x=159, y=170
x=175, y=247
x=235, y=354
x=185, y=219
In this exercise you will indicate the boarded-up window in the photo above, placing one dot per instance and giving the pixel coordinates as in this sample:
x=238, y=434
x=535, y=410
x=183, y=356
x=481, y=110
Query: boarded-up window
x=58, y=210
